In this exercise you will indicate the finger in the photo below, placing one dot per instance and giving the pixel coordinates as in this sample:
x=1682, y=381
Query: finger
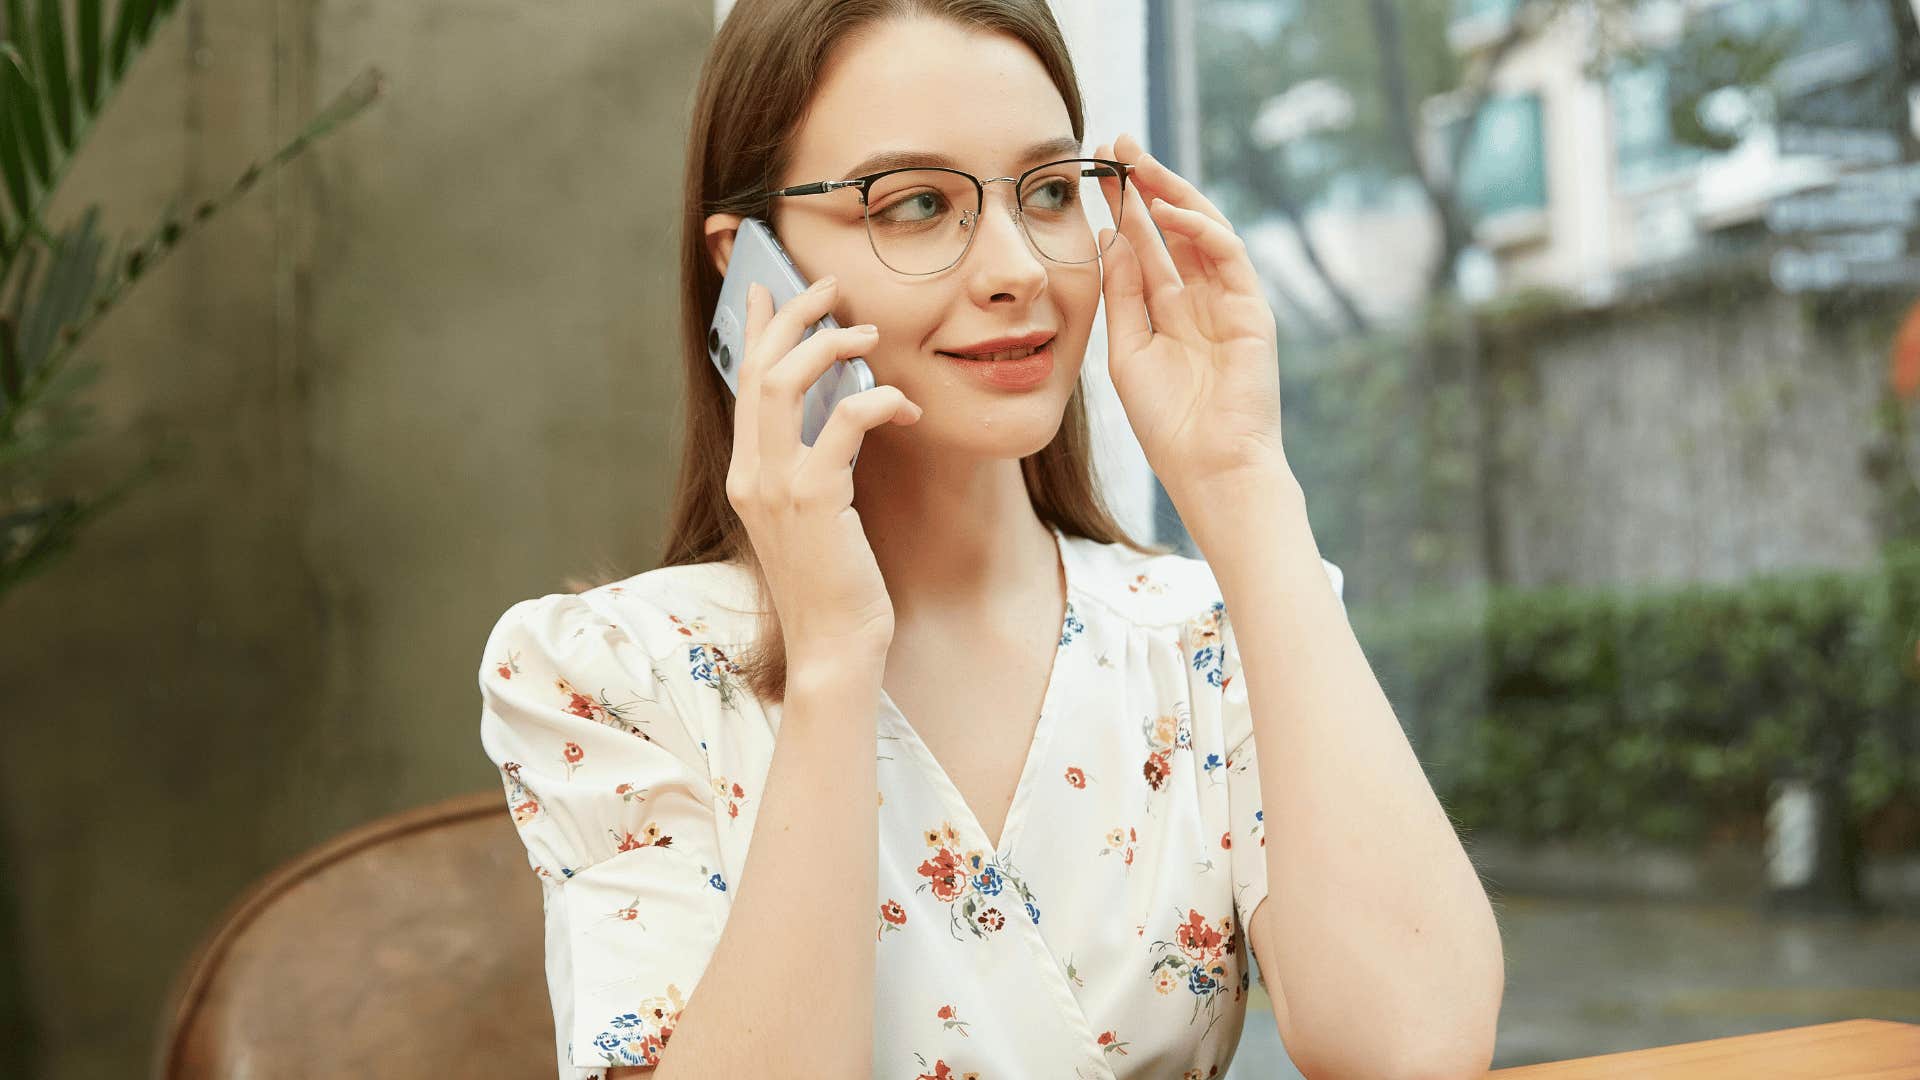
x=784, y=386
x=746, y=432
x=1109, y=185
x=1128, y=327
x=765, y=342
x=783, y=331
x=1223, y=252
x=1157, y=269
x=831, y=458
x=1155, y=178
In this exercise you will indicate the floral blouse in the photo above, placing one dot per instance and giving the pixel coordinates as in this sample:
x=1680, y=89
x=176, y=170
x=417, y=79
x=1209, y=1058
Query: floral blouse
x=1104, y=938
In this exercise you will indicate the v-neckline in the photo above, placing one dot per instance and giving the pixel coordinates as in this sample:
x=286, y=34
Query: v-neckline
x=1036, y=749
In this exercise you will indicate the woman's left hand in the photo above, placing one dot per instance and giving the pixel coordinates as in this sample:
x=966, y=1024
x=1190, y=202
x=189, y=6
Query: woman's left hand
x=1191, y=339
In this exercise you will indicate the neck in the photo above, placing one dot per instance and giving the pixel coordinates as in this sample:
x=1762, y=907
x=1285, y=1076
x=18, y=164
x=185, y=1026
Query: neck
x=955, y=538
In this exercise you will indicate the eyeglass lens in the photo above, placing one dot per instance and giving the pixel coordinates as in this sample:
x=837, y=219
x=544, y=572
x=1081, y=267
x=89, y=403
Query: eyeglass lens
x=919, y=220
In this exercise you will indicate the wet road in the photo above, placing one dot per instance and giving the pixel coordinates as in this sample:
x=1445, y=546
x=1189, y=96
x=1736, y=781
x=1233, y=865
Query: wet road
x=1598, y=976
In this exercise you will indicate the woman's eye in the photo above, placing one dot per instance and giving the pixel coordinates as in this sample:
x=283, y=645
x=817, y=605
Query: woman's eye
x=1053, y=194
x=922, y=206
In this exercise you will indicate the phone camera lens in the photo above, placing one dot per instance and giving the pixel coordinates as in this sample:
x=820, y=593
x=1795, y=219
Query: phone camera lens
x=713, y=340
x=726, y=358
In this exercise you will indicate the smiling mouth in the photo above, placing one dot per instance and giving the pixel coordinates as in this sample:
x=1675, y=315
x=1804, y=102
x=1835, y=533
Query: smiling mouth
x=995, y=357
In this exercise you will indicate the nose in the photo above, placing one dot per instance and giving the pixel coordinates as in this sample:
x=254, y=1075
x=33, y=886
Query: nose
x=1015, y=229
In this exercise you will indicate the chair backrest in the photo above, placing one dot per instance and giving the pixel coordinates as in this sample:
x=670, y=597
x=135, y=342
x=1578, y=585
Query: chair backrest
x=411, y=946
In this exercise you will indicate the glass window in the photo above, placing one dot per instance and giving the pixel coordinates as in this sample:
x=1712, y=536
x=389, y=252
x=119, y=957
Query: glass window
x=1504, y=167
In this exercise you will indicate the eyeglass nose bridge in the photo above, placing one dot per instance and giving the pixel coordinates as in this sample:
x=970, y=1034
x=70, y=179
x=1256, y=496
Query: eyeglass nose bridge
x=969, y=217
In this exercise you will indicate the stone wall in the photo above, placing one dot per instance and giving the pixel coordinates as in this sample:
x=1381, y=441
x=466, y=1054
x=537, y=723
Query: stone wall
x=427, y=371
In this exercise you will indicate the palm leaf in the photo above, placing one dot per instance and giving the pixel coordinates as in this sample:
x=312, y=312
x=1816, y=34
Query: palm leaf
x=45, y=112
x=56, y=77
x=52, y=58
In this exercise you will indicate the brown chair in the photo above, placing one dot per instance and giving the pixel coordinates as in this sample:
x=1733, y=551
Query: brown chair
x=408, y=947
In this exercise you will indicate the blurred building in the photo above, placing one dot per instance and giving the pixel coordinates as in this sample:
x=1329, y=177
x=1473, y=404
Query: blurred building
x=1587, y=169
x=1587, y=172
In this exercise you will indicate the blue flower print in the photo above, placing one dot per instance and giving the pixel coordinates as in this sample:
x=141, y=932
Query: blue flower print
x=719, y=883
x=989, y=881
x=1200, y=982
x=1073, y=626
x=1033, y=913
x=1210, y=658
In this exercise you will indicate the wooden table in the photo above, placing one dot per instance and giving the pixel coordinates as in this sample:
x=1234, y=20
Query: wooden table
x=1847, y=1050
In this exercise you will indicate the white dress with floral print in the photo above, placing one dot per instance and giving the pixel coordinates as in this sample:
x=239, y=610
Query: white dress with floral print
x=1104, y=939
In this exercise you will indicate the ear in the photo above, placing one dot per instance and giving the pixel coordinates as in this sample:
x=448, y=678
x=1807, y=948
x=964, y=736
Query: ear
x=721, y=229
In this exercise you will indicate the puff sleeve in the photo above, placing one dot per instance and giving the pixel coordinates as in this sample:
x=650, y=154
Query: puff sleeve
x=1248, y=819
x=607, y=783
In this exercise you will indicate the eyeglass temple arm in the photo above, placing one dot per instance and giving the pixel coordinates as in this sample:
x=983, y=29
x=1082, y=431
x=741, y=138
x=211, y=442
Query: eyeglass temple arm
x=820, y=188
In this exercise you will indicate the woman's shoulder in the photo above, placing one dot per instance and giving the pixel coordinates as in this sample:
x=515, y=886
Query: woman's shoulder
x=1152, y=590
x=1158, y=589
x=670, y=607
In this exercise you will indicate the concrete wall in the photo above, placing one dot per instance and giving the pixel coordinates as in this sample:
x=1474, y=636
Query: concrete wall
x=425, y=372
x=1707, y=438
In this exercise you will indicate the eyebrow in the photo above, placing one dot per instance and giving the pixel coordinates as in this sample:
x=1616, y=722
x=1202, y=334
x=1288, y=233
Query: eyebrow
x=1064, y=146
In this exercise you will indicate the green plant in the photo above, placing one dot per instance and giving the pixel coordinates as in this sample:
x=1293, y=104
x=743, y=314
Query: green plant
x=56, y=78
x=1659, y=715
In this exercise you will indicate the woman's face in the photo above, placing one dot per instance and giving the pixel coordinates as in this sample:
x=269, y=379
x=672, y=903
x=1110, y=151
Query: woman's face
x=983, y=100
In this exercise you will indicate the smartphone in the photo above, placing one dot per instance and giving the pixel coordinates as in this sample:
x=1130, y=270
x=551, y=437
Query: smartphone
x=758, y=256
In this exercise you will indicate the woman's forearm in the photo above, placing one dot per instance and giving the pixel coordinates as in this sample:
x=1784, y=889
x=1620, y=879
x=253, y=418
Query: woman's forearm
x=789, y=989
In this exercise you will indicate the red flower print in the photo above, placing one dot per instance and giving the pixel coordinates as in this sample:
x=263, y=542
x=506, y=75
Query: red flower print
x=739, y=792
x=628, y=842
x=1106, y=1037
x=1076, y=777
x=578, y=704
x=574, y=754
x=1110, y=1043
x=941, y=1071
x=505, y=671
x=953, y=1022
x=892, y=917
x=1196, y=938
x=1157, y=767
x=733, y=809
x=948, y=877
x=1226, y=839
x=991, y=919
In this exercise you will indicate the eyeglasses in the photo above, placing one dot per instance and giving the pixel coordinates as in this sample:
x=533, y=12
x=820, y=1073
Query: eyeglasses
x=921, y=220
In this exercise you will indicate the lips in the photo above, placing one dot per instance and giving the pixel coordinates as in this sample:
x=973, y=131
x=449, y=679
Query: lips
x=1002, y=348
x=994, y=357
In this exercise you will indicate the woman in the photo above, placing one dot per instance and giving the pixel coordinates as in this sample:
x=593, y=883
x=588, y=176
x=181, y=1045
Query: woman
x=995, y=760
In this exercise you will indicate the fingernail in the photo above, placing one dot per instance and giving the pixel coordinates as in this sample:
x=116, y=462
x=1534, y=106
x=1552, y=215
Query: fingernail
x=822, y=283
x=867, y=327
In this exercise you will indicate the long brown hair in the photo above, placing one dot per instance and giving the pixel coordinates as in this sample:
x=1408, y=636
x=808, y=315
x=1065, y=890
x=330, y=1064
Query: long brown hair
x=754, y=87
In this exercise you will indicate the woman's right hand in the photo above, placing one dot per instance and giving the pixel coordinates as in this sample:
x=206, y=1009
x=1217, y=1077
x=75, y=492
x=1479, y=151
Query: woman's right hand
x=797, y=501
